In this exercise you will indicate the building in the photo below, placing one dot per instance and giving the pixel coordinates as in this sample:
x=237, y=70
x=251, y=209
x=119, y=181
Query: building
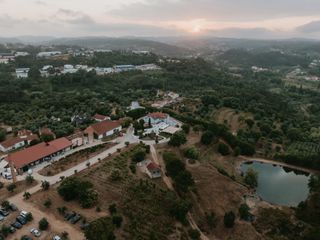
x=69, y=69
x=29, y=157
x=159, y=122
x=135, y=105
x=103, y=129
x=148, y=67
x=153, y=170
x=48, y=54
x=24, y=137
x=77, y=139
x=103, y=71
x=5, y=170
x=21, y=54
x=99, y=118
x=124, y=68
x=22, y=72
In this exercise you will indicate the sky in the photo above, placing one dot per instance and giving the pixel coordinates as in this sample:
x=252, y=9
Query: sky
x=225, y=18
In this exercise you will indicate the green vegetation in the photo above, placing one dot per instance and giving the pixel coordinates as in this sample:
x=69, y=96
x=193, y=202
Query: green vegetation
x=251, y=178
x=178, y=139
x=229, y=219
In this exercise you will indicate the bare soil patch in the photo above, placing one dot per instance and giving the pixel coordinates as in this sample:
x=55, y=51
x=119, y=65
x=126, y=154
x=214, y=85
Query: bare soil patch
x=21, y=187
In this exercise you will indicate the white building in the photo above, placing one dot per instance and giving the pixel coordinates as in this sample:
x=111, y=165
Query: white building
x=148, y=67
x=69, y=69
x=22, y=72
x=48, y=54
x=21, y=54
x=135, y=105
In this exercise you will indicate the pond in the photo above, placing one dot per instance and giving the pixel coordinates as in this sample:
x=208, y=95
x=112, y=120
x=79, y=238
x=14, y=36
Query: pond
x=279, y=185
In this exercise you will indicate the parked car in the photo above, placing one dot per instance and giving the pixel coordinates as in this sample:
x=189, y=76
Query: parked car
x=23, y=213
x=75, y=219
x=13, y=207
x=21, y=220
x=56, y=237
x=16, y=225
x=69, y=215
x=4, y=212
x=35, y=232
x=25, y=237
x=1, y=217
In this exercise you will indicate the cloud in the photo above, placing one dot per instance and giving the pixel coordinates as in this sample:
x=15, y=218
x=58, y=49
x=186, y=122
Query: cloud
x=217, y=10
x=40, y=3
x=309, y=28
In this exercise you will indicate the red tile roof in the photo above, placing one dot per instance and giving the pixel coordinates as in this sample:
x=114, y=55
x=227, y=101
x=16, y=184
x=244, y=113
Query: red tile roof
x=11, y=142
x=152, y=167
x=104, y=126
x=37, y=152
x=158, y=115
x=100, y=117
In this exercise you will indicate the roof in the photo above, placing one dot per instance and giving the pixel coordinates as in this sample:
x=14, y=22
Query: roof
x=104, y=126
x=24, y=132
x=37, y=152
x=152, y=167
x=77, y=134
x=11, y=142
x=99, y=117
x=158, y=115
x=46, y=131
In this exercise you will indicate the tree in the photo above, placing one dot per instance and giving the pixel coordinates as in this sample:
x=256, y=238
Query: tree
x=113, y=209
x=29, y=179
x=100, y=229
x=229, y=219
x=45, y=185
x=244, y=211
x=26, y=195
x=194, y=234
x=11, y=187
x=5, y=230
x=186, y=128
x=43, y=224
x=223, y=149
x=178, y=139
x=207, y=137
x=3, y=134
x=47, y=203
x=117, y=220
x=29, y=217
x=47, y=137
x=251, y=178
x=5, y=204
x=192, y=153
x=138, y=156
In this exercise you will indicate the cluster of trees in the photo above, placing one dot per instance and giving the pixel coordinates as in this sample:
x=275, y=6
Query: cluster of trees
x=73, y=188
x=176, y=169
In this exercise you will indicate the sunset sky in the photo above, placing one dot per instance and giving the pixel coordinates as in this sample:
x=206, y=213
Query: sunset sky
x=251, y=18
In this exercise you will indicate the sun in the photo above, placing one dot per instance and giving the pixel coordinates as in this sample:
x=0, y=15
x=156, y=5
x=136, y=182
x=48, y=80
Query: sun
x=196, y=29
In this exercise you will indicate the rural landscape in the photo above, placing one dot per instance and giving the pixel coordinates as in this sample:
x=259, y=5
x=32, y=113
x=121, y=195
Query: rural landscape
x=159, y=136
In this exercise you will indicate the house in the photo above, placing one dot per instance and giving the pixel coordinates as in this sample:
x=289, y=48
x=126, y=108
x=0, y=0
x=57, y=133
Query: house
x=103, y=129
x=77, y=139
x=153, y=170
x=24, y=137
x=26, y=158
x=99, y=118
x=135, y=105
x=21, y=54
x=124, y=68
x=48, y=54
x=22, y=72
x=148, y=67
x=5, y=170
x=69, y=69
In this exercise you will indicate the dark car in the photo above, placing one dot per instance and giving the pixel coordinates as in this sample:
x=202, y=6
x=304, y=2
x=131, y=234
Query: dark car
x=4, y=212
x=21, y=220
x=75, y=219
x=25, y=237
x=69, y=215
x=16, y=225
x=13, y=207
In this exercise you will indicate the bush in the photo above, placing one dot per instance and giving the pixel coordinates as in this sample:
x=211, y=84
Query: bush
x=244, y=211
x=229, y=219
x=194, y=234
x=117, y=220
x=11, y=187
x=101, y=228
x=178, y=139
x=223, y=149
x=113, y=209
x=45, y=185
x=139, y=156
x=29, y=179
x=29, y=217
x=207, y=137
x=47, y=203
x=192, y=153
x=251, y=178
x=43, y=224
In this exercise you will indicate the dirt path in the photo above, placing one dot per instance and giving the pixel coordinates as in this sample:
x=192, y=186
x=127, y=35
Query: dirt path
x=282, y=164
x=56, y=225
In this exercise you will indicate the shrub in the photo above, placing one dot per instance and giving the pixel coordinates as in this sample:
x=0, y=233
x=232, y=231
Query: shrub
x=251, y=178
x=223, y=149
x=29, y=217
x=29, y=179
x=101, y=228
x=194, y=234
x=207, y=137
x=229, y=219
x=117, y=220
x=45, y=185
x=113, y=209
x=192, y=153
x=43, y=224
x=244, y=211
x=47, y=203
x=11, y=187
x=178, y=139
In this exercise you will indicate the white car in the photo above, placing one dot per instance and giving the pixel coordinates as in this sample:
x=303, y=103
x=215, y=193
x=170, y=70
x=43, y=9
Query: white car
x=56, y=238
x=23, y=213
x=35, y=232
